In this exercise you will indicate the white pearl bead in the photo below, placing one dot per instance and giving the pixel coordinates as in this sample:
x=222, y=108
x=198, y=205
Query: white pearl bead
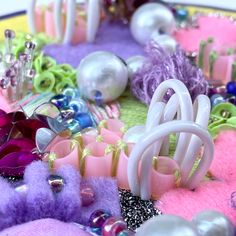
x=102, y=71
x=165, y=41
x=151, y=18
x=134, y=63
x=167, y=225
x=213, y=223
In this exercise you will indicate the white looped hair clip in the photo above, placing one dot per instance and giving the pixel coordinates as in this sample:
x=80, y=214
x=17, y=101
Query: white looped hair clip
x=152, y=139
x=93, y=18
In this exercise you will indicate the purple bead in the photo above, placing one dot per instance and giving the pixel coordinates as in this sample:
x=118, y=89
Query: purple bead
x=23, y=57
x=4, y=82
x=56, y=183
x=30, y=45
x=10, y=34
x=231, y=99
x=113, y=226
x=98, y=218
x=231, y=88
x=87, y=195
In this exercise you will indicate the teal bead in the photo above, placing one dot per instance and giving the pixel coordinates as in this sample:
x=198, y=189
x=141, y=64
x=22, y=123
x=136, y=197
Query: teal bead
x=73, y=125
x=78, y=105
x=126, y=233
x=71, y=93
x=181, y=14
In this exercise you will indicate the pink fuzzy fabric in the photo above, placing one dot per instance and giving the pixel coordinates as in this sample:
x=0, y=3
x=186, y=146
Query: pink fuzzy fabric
x=211, y=195
x=44, y=227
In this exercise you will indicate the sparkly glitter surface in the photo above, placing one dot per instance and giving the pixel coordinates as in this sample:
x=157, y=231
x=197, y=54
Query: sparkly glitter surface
x=136, y=211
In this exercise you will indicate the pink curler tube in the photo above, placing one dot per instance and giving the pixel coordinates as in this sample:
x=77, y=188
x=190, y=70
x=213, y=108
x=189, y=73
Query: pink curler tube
x=163, y=179
x=39, y=19
x=98, y=163
x=122, y=167
x=67, y=153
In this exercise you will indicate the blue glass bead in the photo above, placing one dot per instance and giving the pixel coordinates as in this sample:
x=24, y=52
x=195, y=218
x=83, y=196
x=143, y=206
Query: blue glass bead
x=126, y=233
x=60, y=100
x=73, y=125
x=216, y=99
x=231, y=88
x=98, y=218
x=67, y=113
x=78, y=105
x=181, y=14
x=84, y=120
x=71, y=93
x=98, y=98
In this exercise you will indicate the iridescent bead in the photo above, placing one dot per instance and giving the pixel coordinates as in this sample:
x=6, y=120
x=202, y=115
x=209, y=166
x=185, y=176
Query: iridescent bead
x=231, y=88
x=113, y=226
x=71, y=93
x=56, y=183
x=73, y=125
x=181, y=14
x=87, y=195
x=78, y=105
x=84, y=120
x=126, y=233
x=216, y=99
x=98, y=218
x=30, y=45
x=60, y=100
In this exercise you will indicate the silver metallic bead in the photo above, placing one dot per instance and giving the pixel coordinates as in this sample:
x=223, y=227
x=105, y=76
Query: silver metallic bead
x=134, y=63
x=211, y=223
x=168, y=225
x=104, y=72
x=56, y=183
x=151, y=18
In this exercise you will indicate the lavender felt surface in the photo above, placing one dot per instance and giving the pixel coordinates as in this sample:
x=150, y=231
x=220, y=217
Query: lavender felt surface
x=111, y=37
x=39, y=202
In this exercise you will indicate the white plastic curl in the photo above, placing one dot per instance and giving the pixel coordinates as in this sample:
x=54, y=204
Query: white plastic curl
x=187, y=146
x=93, y=19
x=137, y=185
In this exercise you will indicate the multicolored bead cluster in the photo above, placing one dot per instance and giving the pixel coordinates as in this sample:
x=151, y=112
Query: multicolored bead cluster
x=221, y=93
x=103, y=223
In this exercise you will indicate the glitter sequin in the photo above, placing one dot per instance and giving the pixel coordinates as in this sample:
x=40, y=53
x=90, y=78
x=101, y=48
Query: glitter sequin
x=136, y=211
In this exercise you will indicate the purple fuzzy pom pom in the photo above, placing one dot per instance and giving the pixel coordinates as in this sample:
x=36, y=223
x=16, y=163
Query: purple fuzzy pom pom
x=162, y=66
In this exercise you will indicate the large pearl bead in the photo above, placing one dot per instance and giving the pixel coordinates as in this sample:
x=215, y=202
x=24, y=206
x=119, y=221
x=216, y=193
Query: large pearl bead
x=167, y=225
x=150, y=19
x=165, y=41
x=134, y=63
x=104, y=72
x=210, y=223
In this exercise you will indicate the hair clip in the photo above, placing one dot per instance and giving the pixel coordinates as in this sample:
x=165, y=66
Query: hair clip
x=61, y=195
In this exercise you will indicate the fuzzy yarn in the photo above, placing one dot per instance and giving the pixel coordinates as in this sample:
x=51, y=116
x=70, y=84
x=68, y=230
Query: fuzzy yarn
x=161, y=66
